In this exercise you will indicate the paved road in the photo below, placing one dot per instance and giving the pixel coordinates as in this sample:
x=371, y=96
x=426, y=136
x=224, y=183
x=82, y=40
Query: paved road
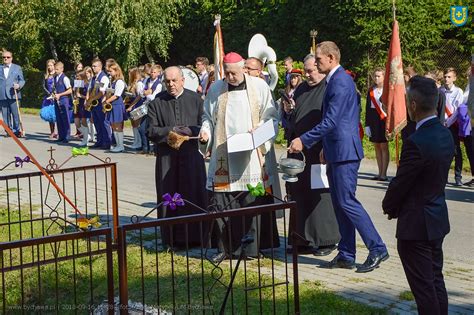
x=137, y=195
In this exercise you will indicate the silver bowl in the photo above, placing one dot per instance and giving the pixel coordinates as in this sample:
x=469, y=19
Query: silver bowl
x=291, y=168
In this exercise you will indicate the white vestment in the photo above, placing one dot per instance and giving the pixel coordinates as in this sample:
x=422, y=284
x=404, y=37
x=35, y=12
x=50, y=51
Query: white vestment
x=241, y=168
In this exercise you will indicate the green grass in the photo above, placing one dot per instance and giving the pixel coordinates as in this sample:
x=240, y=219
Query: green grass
x=406, y=296
x=57, y=289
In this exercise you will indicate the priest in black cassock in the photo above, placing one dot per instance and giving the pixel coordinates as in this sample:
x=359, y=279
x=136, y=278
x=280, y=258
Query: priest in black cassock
x=179, y=169
x=316, y=220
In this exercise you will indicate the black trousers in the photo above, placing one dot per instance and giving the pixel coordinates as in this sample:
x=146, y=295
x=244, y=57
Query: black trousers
x=469, y=145
x=423, y=265
x=457, y=151
x=229, y=231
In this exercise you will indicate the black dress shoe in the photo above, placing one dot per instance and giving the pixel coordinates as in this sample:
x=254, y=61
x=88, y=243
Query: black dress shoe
x=324, y=250
x=373, y=261
x=469, y=183
x=375, y=178
x=339, y=263
x=457, y=182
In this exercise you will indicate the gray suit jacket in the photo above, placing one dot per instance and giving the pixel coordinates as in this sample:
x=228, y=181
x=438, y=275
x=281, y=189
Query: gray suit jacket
x=6, y=84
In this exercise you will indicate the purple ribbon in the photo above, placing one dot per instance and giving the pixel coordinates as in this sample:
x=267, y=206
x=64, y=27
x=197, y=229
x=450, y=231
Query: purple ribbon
x=19, y=161
x=172, y=202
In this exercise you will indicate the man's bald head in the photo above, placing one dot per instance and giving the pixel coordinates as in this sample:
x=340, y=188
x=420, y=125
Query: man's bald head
x=174, y=80
x=253, y=66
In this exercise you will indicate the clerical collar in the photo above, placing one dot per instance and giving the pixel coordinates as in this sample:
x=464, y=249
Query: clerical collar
x=177, y=96
x=242, y=86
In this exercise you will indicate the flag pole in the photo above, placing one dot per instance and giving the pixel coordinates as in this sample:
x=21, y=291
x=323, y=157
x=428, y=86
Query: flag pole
x=394, y=9
x=397, y=154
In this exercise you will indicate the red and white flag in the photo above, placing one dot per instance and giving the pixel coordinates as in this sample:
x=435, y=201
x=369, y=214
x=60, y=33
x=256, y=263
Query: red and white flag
x=393, y=96
x=218, y=50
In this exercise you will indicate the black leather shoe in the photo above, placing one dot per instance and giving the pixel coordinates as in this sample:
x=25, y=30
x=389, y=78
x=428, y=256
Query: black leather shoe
x=324, y=250
x=339, y=263
x=457, y=182
x=372, y=262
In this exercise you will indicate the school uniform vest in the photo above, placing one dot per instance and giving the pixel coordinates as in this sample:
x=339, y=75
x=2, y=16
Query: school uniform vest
x=119, y=100
x=153, y=86
x=60, y=88
x=98, y=78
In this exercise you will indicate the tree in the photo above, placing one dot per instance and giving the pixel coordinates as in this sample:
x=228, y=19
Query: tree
x=138, y=28
x=71, y=31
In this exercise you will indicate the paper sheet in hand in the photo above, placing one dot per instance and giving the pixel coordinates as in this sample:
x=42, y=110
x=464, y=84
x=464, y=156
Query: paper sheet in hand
x=319, y=179
x=78, y=84
x=248, y=141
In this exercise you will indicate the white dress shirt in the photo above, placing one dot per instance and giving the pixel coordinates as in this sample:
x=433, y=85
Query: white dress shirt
x=331, y=73
x=6, y=70
x=158, y=89
x=66, y=81
x=421, y=122
x=119, y=88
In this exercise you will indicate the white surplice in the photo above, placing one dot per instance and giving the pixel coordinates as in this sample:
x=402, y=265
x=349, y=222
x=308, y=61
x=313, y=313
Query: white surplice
x=243, y=167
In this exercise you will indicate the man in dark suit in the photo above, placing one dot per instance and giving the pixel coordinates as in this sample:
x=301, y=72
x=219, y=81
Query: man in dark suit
x=416, y=197
x=11, y=80
x=342, y=150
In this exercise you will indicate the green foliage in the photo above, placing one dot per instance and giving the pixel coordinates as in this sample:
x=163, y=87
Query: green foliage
x=72, y=31
x=175, y=32
x=406, y=296
x=140, y=27
x=33, y=95
x=361, y=28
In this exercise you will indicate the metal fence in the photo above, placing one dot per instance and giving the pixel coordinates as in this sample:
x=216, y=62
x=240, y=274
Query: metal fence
x=187, y=280
x=61, y=274
x=47, y=266
x=31, y=207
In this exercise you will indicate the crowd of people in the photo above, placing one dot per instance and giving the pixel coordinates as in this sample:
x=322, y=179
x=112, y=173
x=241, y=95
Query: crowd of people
x=319, y=110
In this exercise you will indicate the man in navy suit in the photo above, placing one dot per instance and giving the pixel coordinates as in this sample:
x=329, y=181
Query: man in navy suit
x=342, y=150
x=11, y=79
x=416, y=197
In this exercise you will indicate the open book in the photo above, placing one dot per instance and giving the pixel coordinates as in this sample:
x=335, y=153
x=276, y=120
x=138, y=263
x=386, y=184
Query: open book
x=248, y=141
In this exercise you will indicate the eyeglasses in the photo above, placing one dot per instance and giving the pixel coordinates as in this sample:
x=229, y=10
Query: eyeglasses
x=6, y=57
x=250, y=69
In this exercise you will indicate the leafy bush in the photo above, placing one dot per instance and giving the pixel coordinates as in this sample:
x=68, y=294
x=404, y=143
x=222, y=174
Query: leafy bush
x=32, y=93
